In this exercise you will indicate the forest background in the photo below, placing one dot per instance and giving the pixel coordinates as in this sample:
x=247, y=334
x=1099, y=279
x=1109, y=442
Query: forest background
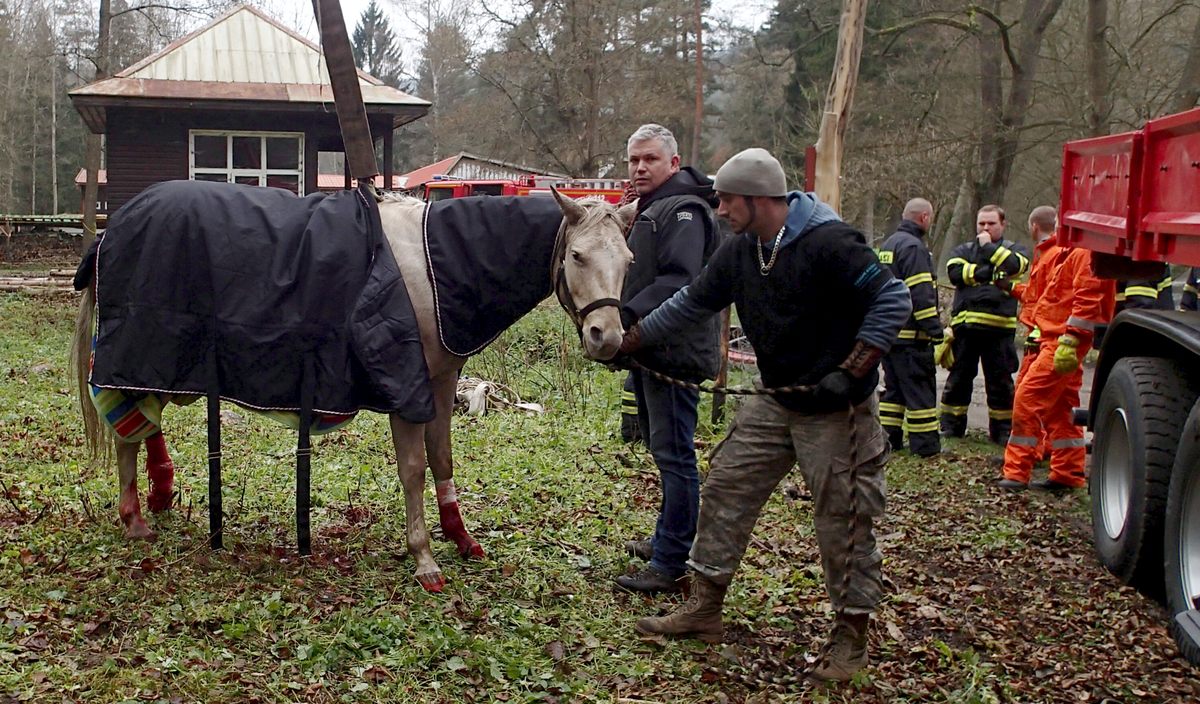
x=962, y=103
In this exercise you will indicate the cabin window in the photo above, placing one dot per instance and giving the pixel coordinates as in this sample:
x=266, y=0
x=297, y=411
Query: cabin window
x=274, y=159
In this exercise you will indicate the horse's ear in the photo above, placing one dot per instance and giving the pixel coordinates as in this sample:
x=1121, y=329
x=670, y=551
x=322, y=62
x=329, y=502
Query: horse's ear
x=572, y=211
x=626, y=214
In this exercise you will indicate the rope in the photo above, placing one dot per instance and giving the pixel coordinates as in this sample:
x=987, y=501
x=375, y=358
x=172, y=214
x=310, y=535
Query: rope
x=721, y=389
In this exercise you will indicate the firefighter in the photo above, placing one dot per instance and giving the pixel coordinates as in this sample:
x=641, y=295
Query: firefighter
x=983, y=318
x=909, y=401
x=1074, y=303
x=1187, y=301
x=631, y=430
x=1153, y=293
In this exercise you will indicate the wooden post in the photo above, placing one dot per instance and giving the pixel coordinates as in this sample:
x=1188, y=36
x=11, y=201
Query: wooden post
x=838, y=101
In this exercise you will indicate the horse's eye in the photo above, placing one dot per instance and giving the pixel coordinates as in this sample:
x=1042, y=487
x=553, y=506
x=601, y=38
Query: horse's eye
x=576, y=256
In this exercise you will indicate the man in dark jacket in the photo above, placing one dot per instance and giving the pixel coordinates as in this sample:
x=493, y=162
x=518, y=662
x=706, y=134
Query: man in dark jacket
x=671, y=239
x=1153, y=293
x=909, y=401
x=984, y=319
x=820, y=311
x=1189, y=299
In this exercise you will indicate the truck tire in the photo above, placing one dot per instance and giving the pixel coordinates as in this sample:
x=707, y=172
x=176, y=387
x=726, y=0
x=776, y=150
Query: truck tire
x=1142, y=408
x=1181, y=534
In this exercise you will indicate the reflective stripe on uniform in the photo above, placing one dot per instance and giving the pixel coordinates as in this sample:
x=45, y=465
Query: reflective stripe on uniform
x=926, y=427
x=925, y=278
x=1000, y=413
x=887, y=407
x=1165, y=284
x=924, y=313
x=1147, y=291
x=910, y=334
x=1000, y=256
x=1063, y=443
x=1081, y=323
x=1188, y=288
x=1022, y=440
x=954, y=410
x=885, y=256
x=976, y=318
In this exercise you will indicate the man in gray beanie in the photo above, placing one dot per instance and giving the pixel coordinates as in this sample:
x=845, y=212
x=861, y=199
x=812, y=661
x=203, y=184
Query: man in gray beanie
x=820, y=312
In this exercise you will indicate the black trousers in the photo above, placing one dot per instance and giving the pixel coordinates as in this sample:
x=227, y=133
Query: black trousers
x=909, y=401
x=630, y=427
x=996, y=349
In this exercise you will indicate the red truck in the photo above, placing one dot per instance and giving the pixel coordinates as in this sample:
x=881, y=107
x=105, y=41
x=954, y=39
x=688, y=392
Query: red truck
x=1134, y=200
x=609, y=189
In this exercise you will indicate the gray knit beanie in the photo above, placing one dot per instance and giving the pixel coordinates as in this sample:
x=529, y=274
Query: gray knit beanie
x=751, y=172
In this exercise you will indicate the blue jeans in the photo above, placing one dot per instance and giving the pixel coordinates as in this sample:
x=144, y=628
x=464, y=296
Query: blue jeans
x=669, y=414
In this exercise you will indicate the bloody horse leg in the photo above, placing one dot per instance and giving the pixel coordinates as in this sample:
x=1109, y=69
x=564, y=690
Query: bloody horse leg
x=161, y=471
x=129, y=507
x=437, y=447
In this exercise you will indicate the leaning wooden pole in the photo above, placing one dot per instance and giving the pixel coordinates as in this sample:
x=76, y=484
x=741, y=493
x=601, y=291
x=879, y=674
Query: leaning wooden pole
x=835, y=118
x=347, y=94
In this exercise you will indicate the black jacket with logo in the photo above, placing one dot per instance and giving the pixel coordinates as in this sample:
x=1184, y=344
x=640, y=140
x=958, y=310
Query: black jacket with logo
x=672, y=239
x=905, y=253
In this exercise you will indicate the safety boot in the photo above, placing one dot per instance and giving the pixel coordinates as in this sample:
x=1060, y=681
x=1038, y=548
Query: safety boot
x=699, y=617
x=846, y=651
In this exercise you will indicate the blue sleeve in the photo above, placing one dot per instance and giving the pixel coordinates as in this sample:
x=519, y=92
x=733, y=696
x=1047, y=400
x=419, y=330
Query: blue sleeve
x=886, y=314
x=678, y=312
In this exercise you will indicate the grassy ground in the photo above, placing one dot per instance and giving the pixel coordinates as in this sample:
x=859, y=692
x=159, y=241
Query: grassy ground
x=991, y=597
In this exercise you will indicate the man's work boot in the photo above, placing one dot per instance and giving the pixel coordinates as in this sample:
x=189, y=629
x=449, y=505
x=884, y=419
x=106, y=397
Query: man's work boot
x=649, y=580
x=642, y=547
x=846, y=651
x=699, y=617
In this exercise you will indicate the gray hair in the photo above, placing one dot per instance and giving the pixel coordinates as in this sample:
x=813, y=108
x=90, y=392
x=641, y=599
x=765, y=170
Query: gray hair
x=654, y=131
x=917, y=206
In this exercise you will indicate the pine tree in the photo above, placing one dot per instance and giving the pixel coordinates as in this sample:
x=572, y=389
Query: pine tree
x=374, y=47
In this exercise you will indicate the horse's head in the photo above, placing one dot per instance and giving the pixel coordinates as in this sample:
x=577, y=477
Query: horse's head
x=591, y=269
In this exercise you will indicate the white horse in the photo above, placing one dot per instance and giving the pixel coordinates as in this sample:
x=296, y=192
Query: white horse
x=588, y=272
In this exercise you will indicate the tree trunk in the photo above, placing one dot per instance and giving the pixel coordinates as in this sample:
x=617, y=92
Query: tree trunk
x=91, y=154
x=1187, y=92
x=838, y=101
x=698, y=119
x=1004, y=120
x=1097, y=53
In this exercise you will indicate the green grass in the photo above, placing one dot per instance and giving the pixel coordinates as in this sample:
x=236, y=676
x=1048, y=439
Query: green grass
x=88, y=616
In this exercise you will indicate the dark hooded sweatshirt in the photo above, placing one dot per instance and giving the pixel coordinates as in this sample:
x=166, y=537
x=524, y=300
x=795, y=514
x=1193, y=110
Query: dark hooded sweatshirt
x=672, y=238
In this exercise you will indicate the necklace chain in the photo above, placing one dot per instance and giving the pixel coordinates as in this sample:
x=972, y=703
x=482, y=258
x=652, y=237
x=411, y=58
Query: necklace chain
x=764, y=268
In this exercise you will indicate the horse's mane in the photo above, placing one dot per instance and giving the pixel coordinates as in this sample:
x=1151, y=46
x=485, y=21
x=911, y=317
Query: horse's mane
x=394, y=197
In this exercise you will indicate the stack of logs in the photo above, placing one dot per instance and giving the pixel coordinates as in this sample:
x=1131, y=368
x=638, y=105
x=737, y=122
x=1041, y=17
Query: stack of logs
x=30, y=282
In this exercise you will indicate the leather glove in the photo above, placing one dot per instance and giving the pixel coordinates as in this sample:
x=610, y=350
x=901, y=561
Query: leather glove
x=983, y=238
x=943, y=353
x=834, y=388
x=1066, y=357
x=632, y=341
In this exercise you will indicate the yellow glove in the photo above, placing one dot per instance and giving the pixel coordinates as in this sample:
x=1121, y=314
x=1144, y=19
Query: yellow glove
x=943, y=353
x=1066, y=357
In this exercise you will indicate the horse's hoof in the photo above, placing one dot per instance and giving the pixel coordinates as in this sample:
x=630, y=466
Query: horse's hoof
x=471, y=550
x=139, y=531
x=159, y=502
x=432, y=582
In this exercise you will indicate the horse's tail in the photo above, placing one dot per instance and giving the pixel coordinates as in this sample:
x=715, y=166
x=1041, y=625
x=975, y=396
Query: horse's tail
x=99, y=440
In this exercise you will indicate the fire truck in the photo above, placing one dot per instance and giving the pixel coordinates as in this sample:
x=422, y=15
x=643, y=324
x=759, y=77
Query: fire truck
x=441, y=187
x=1133, y=199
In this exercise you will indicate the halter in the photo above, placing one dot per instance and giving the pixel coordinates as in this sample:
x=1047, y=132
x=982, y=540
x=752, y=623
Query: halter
x=559, y=280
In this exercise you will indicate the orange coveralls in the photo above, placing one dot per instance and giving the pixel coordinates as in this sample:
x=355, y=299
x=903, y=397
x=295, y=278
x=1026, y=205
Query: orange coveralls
x=1045, y=260
x=1074, y=301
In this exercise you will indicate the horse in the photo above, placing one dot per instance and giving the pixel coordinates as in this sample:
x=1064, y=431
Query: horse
x=588, y=260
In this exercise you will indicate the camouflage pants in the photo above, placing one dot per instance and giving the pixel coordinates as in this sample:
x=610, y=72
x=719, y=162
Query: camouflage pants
x=764, y=443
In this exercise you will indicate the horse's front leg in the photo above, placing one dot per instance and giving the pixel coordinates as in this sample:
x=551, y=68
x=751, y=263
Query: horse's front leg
x=129, y=506
x=410, y=461
x=437, y=447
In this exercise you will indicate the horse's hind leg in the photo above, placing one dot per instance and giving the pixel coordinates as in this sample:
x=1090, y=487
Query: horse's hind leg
x=410, y=461
x=161, y=471
x=437, y=446
x=129, y=506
